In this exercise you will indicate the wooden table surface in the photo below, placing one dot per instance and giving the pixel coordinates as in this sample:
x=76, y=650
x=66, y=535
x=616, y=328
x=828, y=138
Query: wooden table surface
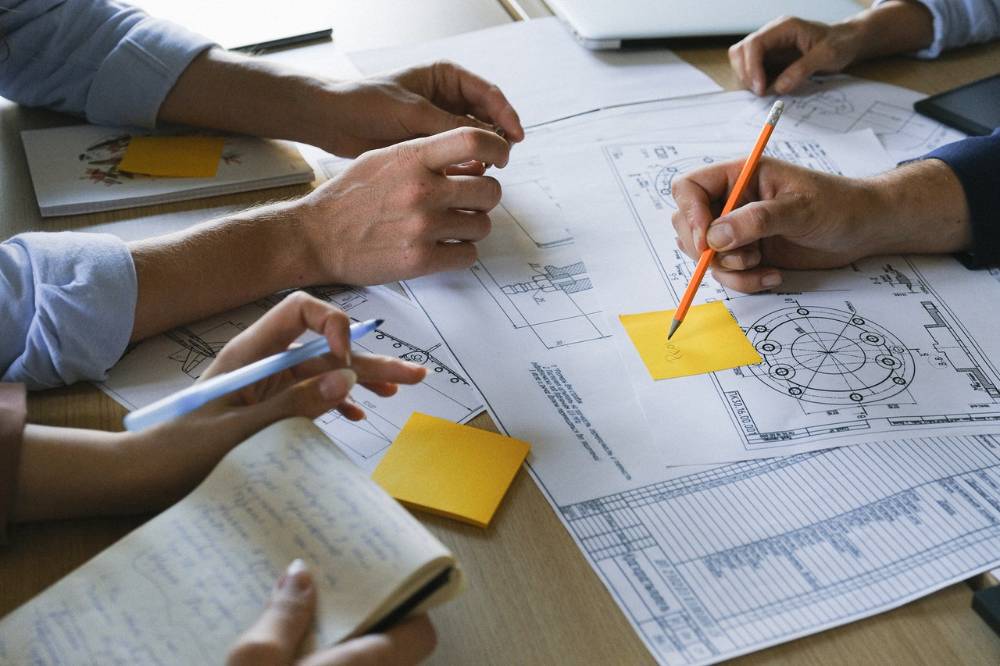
x=532, y=597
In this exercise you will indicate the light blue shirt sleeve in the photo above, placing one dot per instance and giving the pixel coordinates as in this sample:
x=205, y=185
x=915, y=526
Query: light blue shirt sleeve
x=960, y=23
x=67, y=306
x=100, y=59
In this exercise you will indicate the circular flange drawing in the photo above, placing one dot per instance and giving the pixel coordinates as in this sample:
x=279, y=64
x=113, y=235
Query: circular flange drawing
x=830, y=357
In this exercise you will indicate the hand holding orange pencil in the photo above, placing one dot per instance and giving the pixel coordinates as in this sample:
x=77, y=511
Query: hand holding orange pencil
x=734, y=196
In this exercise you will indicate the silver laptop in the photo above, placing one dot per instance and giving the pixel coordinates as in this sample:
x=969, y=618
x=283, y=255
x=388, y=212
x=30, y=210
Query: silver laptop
x=605, y=24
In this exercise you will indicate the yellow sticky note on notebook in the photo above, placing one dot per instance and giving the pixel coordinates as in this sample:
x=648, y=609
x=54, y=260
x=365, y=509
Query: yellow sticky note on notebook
x=175, y=156
x=449, y=469
x=708, y=340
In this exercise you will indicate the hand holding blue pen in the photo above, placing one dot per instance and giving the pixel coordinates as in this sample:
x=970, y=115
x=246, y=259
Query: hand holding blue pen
x=192, y=398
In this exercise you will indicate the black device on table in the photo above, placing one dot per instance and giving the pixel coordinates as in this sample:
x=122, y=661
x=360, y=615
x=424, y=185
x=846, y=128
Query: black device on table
x=973, y=108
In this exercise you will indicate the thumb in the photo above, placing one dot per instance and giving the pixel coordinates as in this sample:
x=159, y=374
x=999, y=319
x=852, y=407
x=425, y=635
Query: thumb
x=752, y=222
x=275, y=637
x=428, y=119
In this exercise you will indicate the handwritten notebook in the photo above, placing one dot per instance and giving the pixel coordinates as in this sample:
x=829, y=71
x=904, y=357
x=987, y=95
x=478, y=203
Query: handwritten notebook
x=182, y=587
x=76, y=170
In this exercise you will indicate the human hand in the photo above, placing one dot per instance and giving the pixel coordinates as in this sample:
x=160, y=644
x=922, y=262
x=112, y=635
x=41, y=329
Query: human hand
x=274, y=638
x=796, y=49
x=172, y=457
x=357, y=116
x=395, y=214
x=797, y=218
x=804, y=219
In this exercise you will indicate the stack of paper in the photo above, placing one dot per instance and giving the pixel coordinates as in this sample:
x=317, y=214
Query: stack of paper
x=891, y=355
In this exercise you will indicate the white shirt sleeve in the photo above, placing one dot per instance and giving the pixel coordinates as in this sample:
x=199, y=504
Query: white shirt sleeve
x=67, y=307
x=960, y=23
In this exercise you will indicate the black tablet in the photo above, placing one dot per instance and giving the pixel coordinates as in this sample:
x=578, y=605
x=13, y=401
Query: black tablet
x=974, y=108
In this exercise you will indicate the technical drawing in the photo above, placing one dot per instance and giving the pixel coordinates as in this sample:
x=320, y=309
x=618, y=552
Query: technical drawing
x=682, y=581
x=829, y=357
x=957, y=353
x=827, y=108
x=546, y=302
x=421, y=356
x=896, y=278
x=833, y=107
x=196, y=348
x=664, y=180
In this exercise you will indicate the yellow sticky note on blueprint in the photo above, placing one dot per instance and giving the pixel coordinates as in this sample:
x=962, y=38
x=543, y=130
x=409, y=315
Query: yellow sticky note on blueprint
x=708, y=340
x=449, y=469
x=174, y=156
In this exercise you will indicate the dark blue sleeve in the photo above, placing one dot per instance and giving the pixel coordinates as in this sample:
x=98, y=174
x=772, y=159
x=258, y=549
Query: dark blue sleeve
x=976, y=162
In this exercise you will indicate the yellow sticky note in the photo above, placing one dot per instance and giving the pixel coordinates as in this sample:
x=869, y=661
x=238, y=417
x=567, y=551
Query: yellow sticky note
x=708, y=340
x=176, y=156
x=449, y=469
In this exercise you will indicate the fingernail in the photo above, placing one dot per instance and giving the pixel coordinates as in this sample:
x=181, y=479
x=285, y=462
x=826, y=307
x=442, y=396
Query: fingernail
x=780, y=86
x=720, y=236
x=296, y=580
x=771, y=280
x=337, y=384
x=758, y=87
x=729, y=261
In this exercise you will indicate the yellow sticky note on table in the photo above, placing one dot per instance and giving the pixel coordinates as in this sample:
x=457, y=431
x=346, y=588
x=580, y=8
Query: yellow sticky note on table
x=449, y=469
x=708, y=340
x=175, y=156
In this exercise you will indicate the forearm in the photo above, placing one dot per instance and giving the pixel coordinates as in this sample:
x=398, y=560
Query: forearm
x=898, y=26
x=227, y=91
x=218, y=265
x=68, y=472
x=919, y=208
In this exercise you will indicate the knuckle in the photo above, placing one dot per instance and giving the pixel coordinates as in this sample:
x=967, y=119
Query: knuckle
x=419, y=256
x=416, y=193
x=405, y=152
x=298, y=300
x=472, y=139
x=421, y=225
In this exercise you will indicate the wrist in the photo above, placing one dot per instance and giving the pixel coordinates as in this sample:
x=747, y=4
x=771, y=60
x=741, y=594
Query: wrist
x=897, y=26
x=277, y=236
x=919, y=207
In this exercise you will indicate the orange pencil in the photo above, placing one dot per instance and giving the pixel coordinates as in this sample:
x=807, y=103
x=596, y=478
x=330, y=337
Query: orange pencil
x=741, y=184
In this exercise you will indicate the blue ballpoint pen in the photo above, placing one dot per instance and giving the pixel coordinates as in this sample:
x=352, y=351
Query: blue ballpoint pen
x=193, y=397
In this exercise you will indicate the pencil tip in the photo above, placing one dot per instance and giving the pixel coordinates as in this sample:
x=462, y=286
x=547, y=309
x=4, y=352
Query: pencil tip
x=673, y=327
x=379, y=322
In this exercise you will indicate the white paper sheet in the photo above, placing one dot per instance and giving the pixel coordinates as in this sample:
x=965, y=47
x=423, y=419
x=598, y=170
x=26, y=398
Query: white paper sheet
x=706, y=562
x=891, y=347
x=841, y=104
x=545, y=73
x=733, y=559
x=167, y=363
